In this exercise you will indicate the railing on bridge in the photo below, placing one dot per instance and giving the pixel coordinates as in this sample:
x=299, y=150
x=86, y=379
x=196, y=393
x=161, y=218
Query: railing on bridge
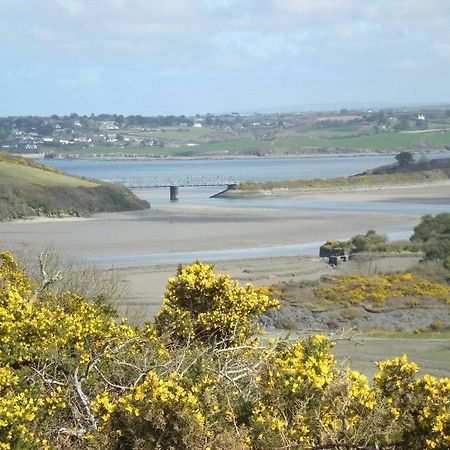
x=159, y=182
x=175, y=182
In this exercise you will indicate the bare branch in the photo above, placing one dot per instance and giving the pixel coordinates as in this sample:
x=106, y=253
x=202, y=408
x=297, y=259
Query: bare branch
x=84, y=399
x=46, y=279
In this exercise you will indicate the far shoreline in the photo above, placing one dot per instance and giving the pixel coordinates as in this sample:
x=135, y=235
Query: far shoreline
x=225, y=157
x=292, y=191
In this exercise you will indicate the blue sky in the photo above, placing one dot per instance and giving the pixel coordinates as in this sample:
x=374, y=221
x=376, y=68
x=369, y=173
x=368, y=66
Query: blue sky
x=197, y=56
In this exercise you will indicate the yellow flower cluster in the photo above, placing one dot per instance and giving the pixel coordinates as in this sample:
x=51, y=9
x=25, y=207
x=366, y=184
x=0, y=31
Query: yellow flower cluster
x=19, y=160
x=434, y=411
x=37, y=331
x=103, y=406
x=377, y=289
x=199, y=304
x=19, y=408
x=361, y=391
x=165, y=394
x=426, y=400
x=295, y=380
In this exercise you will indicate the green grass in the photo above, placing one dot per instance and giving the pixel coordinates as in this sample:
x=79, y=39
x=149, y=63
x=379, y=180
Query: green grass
x=405, y=335
x=438, y=124
x=333, y=139
x=336, y=132
x=386, y=141
x=11, y=172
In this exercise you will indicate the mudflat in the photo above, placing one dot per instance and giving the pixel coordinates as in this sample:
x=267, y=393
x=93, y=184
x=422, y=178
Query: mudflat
x=179, y=227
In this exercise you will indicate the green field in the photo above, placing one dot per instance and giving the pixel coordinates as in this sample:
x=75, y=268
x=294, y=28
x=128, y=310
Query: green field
x=386, y=141
x=336, y=132
x=432, y=353
x=377, y=142
x=180, y=134
x=331, y=140
x=11, y=172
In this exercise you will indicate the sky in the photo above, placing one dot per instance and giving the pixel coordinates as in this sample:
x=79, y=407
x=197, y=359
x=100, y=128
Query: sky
x=190, y=57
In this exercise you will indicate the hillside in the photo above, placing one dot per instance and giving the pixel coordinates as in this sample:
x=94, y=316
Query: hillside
x=270, y=134
x=31, y=189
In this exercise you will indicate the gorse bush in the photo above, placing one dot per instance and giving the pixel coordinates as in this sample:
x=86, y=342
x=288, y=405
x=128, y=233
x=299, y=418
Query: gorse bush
x=202, y=305
x=72, y=375
x=377, y=289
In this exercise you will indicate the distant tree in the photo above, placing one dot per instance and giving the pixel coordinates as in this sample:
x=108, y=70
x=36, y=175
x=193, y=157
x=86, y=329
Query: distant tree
x=447, y=113
x=370, y=241
x=4, y=134
x=432, y=227
x=402, y=125
x=434, y=232
x=421, y=125
x=405, y=158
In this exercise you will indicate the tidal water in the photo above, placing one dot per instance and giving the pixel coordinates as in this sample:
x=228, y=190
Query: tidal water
x=244, y=170
x=311, y=248
x=255, y=169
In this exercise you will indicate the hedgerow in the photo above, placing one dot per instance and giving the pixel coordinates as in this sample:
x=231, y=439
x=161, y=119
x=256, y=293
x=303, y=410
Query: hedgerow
x=73, y=375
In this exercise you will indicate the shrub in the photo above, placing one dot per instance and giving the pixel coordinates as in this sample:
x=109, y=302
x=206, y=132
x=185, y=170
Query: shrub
x=434, y=235
x=199, y=304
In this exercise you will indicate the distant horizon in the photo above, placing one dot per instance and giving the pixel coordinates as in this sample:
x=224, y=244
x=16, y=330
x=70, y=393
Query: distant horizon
x=312, y=108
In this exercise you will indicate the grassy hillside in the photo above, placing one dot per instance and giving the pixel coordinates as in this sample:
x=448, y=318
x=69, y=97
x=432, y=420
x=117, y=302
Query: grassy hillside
x=31, y=189
x=20, y=173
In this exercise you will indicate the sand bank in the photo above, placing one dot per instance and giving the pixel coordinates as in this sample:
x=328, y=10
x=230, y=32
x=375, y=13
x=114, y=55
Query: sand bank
x=179, y=227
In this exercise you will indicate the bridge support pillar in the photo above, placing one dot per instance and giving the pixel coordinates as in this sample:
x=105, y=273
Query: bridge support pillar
x=173, y=193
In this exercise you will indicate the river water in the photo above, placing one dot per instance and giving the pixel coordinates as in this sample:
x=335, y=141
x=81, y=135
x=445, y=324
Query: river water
x=263, y=169
x=256, y=169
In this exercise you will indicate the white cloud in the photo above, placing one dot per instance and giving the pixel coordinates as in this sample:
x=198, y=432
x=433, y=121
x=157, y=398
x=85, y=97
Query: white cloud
x=73, y=7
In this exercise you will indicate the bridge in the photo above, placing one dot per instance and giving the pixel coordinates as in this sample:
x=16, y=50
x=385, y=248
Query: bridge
x=173, y=183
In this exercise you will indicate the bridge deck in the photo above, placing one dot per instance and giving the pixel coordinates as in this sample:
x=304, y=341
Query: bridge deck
x=162, y=182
